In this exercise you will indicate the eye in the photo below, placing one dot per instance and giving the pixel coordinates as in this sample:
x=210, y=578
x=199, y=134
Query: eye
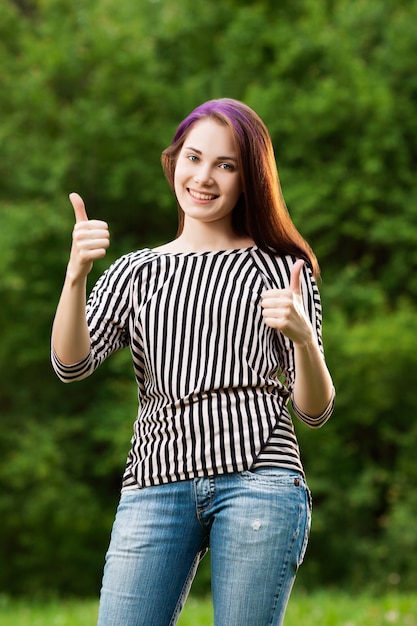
x=192, y=157
x=227, y=166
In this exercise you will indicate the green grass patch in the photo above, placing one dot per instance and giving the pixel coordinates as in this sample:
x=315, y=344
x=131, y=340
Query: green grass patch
x=318, y=609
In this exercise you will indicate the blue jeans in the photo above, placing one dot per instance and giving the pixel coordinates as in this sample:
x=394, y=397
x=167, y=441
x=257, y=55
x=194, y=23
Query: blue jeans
x=256, y=524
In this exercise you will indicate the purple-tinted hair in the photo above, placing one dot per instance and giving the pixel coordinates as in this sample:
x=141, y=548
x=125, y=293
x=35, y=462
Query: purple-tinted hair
x=260, y=212
x=233, y=110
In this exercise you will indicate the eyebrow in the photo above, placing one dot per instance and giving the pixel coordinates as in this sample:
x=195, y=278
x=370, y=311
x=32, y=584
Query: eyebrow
x=219, y=158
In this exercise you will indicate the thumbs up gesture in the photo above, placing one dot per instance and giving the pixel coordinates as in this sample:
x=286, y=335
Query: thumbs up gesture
x=90, y=240
x=283, y=309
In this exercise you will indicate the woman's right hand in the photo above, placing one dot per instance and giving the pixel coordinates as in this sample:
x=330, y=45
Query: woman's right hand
x=90, y=240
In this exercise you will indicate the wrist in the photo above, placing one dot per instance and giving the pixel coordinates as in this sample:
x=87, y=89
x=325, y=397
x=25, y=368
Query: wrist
x=307, y=343
x=74, y=277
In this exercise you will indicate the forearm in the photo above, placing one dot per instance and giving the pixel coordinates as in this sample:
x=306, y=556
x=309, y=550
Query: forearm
x=90, y=240
x=313, y=385
x=70, y=335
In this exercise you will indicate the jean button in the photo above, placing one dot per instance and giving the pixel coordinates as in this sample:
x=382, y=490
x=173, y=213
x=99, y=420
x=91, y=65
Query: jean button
x=297, y=482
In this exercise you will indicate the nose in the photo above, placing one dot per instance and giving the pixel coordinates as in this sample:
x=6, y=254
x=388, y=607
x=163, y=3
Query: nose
x=203, y=175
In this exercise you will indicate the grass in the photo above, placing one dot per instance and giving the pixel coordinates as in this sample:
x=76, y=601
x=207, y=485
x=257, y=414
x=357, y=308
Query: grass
x=319, y=609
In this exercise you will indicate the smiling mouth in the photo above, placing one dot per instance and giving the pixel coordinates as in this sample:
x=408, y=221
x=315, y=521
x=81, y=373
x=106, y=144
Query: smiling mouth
x=202, y=196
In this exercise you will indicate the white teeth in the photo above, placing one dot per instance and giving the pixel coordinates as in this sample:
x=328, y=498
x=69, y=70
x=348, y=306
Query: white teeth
x=202, y=196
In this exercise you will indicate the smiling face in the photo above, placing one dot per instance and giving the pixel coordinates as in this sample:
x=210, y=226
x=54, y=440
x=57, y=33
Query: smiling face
x=207, y=180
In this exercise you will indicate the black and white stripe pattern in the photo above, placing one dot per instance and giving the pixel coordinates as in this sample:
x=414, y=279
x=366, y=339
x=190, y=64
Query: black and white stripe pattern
x=211, y=401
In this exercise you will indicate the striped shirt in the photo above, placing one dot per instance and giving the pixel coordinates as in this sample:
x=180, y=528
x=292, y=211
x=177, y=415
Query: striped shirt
x=213, y=379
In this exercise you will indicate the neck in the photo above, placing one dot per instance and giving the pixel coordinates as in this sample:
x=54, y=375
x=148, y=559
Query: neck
x=201, y=237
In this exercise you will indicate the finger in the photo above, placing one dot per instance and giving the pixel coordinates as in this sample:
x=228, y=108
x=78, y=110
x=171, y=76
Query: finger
x=275, y=297
x=271, y=293
x=94, y=242
x=295, y=280
x=79, y=207
x=92, y=229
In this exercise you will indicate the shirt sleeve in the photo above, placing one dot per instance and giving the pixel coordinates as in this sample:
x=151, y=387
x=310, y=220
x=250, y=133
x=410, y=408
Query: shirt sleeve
x=315, y=422
x=107, y=313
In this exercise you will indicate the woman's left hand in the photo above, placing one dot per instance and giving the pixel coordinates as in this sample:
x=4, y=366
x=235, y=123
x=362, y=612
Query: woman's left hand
x=283, y=309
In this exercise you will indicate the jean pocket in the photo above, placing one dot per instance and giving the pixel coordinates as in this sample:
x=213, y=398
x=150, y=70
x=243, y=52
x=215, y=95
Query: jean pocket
x=274, y=475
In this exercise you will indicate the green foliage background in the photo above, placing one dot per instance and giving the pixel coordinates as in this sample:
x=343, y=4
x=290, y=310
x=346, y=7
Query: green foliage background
x=90, y=94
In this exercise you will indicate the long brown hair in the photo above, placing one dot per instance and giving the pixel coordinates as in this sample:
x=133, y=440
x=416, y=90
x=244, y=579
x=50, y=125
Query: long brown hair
x=261, y=212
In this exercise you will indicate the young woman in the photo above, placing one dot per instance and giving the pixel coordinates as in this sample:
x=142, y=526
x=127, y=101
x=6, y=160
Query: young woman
x=224, y=328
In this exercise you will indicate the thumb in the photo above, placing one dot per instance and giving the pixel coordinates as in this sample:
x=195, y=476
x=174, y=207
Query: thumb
x=79, y=207
x=295, y=280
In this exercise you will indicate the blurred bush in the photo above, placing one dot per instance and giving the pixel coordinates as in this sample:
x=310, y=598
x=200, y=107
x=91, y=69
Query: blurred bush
x=90, y=94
